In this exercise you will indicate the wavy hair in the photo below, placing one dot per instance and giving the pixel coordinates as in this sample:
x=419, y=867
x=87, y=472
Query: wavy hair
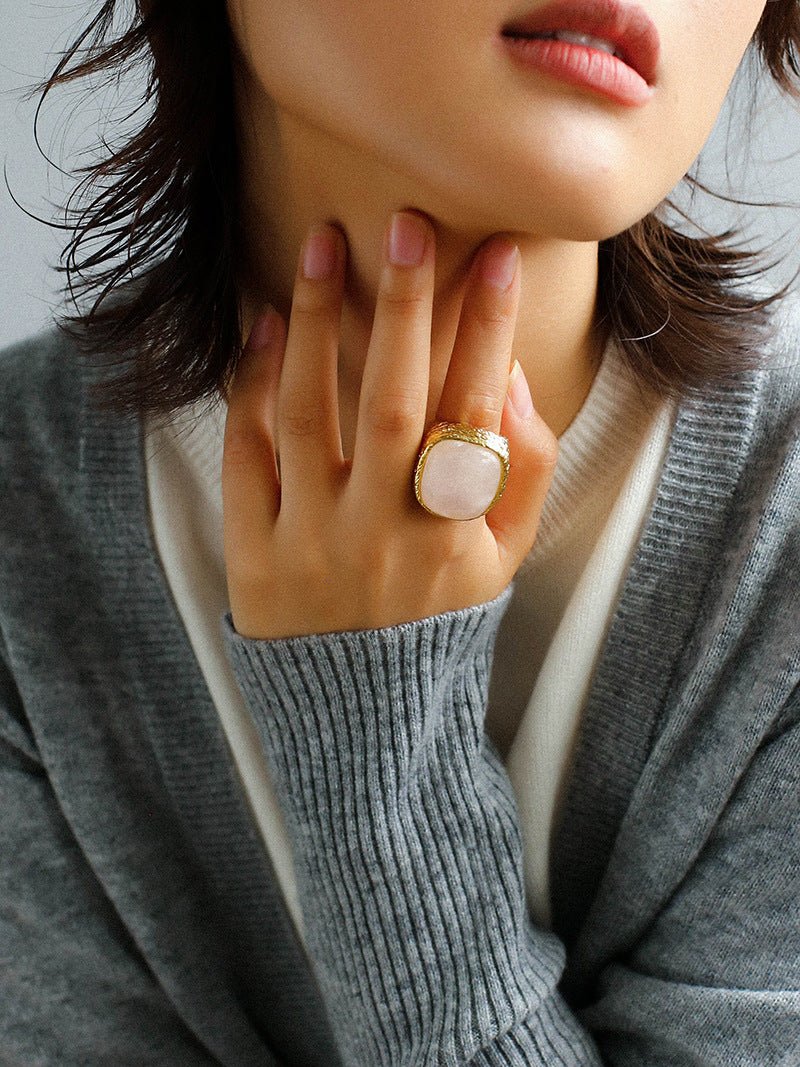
x=152, y=252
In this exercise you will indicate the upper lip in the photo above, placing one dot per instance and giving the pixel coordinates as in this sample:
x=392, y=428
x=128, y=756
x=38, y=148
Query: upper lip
x=626, y=26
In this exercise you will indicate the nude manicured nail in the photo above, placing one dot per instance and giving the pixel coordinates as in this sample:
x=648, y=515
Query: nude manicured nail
x=499, y=265
x=518, y=392
x=319, y=256
x=265, y=329
x=406, y=240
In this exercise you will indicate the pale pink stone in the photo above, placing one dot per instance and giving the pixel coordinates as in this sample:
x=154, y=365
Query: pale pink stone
x=459, y=479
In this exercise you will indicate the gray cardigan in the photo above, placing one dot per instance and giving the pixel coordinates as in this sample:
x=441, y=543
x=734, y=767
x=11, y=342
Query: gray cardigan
x=141, y=921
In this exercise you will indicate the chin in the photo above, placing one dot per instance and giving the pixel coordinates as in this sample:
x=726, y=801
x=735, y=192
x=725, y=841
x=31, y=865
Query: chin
x=592, y=216
x=598, y=229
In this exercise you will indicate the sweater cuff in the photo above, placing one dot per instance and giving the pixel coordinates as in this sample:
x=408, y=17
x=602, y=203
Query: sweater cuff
x=449, y=635
x=354, y=704
x=404, y=827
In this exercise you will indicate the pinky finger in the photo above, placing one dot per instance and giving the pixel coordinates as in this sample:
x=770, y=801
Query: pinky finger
x=514, y=520
x=250, y=479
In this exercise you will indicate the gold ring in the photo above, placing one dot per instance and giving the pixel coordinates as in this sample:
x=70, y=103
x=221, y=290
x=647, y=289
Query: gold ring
x=466, y=475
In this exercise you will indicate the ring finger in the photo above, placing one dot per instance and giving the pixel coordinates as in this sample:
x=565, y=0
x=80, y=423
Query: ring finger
x=474, y=390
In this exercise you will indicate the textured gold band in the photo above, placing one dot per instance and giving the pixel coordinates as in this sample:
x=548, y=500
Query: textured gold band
x=474, y=435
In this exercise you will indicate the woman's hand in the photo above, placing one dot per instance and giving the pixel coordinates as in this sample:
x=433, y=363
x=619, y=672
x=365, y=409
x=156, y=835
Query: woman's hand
x=336, y=544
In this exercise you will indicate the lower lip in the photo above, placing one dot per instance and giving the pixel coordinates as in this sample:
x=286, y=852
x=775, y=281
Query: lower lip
x=577, y=64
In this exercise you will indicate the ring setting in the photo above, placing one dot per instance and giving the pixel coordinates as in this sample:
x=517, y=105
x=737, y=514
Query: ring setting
x=461, y=470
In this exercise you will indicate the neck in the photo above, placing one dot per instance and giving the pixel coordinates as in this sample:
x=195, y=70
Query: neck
x=293, y=175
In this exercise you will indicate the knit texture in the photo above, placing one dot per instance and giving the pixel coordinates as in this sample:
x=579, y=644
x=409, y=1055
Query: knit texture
x=140, y=918
x=609, y=457
x=409, y=834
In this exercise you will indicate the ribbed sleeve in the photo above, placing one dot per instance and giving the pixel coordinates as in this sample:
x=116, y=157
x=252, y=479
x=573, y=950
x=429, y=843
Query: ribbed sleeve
x=408, y=854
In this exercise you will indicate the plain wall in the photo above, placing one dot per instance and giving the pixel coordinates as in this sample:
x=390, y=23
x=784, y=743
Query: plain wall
x=764, y=166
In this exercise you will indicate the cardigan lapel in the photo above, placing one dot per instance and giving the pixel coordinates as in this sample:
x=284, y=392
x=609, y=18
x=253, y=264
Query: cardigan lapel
x=251, y=979
x=649, y=648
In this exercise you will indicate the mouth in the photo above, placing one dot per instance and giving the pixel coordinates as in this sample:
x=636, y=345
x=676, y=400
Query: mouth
x=621, y=29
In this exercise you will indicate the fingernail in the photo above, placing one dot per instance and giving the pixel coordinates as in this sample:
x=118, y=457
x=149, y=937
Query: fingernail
x=500, y=265
x=518, y=392
x=265, y=329
x=406, y=240
x=319, y=256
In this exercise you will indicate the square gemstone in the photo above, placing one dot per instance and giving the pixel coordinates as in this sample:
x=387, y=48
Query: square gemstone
x=460, y=479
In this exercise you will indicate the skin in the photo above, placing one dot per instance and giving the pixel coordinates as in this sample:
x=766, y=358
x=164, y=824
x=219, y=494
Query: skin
x=348, y=111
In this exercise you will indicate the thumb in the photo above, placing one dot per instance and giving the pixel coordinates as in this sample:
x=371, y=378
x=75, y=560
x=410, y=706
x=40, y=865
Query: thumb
x=533, y=453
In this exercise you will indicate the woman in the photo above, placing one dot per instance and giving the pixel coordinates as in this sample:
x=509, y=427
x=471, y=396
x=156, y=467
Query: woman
x=329, y=739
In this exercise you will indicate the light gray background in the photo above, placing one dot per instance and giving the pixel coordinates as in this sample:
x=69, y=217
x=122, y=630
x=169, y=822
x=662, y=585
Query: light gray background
x=764, y=166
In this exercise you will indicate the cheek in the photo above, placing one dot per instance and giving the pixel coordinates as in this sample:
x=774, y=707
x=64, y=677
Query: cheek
x=335, y=63
x=700, y=56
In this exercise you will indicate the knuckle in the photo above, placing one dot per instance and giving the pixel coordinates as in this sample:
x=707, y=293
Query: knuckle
x=491, y=317
x=375, y=558
x=393, y=416
x=248, y=571
x=310, y=566
x=491, y=309
x=241, y=440
x=299, y=422
x=446, y=548
x=238, y=454
x=547, y=452
x=311, y=301
x=403, y=300
x=483, y=409
x=316, y=570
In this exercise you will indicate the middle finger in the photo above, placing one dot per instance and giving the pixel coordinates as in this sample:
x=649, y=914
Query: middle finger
x=394, y=388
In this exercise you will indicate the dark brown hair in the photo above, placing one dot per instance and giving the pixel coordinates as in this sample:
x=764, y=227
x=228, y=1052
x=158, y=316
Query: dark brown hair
x=156, y=245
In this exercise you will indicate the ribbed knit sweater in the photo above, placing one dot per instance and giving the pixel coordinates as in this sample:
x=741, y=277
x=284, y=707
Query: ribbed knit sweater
x=140, y=919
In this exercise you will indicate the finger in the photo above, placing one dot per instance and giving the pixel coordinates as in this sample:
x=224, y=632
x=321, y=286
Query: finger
x=250, y=485
x=474, y=390
x=394, y=388
x=533, y=452
x=309, y=438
